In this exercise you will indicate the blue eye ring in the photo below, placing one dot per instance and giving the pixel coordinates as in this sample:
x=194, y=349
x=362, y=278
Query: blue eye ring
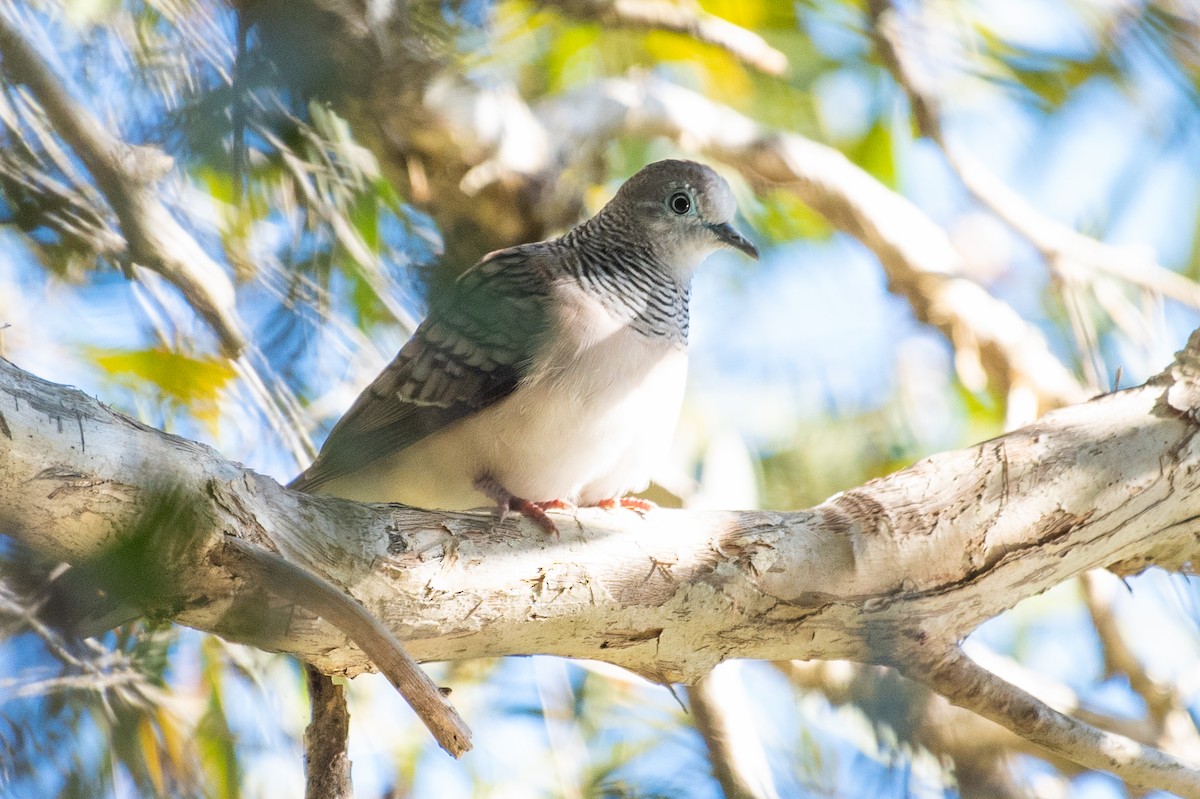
x=680, y=202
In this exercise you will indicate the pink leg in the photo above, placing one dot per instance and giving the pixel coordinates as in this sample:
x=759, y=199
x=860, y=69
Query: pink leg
x=506, y=502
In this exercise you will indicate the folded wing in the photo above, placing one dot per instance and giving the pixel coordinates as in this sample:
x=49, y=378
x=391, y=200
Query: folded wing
x=470, y=352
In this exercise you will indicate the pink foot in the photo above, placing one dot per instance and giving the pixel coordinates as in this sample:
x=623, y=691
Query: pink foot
x=627, y=503
x=507, y=502
x=555, y=504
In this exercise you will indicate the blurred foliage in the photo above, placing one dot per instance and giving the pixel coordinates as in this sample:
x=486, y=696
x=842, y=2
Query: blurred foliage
x=287, y=173
x=189, y=383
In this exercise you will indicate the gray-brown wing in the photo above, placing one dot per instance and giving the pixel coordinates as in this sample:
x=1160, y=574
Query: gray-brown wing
x=471, y=351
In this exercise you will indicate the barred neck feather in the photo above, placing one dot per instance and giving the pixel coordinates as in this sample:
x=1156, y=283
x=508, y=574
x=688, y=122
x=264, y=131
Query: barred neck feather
x=628, y=276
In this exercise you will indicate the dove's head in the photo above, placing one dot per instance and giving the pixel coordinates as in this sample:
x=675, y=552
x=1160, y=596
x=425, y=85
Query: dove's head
x=684, y=210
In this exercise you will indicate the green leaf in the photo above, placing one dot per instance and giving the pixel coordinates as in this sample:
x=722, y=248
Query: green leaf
x=876, y=152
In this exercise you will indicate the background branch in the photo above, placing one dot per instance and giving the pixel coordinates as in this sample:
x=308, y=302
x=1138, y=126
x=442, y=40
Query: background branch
x=1171, y=725
x=688, y=20
x=981, y=749
x=127, y=176
x=1061, y=246
x=718, y=704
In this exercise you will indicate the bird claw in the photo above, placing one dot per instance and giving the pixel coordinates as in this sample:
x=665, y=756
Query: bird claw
x=506, y=502
x=533, y=511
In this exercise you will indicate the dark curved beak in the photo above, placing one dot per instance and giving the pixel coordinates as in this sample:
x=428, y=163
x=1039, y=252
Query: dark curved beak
x=728, y=234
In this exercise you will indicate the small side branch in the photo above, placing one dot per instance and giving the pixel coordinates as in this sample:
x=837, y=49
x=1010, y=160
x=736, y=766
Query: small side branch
x=968, y=685
x=326, y=766
x=376, y=641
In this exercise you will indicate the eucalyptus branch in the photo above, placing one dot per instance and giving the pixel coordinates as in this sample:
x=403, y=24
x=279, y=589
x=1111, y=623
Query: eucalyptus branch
x=872, y=574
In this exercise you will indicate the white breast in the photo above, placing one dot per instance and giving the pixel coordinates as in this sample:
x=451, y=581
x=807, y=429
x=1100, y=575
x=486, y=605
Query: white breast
x=588, y=424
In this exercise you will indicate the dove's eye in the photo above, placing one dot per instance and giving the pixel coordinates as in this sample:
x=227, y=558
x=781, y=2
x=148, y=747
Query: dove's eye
x=680, y=203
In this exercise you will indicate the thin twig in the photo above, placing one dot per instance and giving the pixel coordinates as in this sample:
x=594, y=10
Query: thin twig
x=276, y=401
x=277, y=405
x=371, y=264
x=98, y=683
x=12, y=606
